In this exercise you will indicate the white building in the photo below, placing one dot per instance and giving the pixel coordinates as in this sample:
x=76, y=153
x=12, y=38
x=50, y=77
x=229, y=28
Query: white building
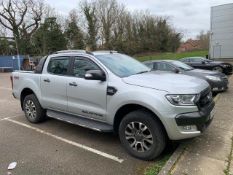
x=221, y=39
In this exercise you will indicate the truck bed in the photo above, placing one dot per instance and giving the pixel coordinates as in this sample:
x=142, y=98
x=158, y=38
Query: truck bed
x=25, y=79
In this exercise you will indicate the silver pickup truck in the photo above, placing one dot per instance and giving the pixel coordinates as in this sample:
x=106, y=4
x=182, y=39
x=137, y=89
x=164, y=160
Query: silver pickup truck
x=111, y=92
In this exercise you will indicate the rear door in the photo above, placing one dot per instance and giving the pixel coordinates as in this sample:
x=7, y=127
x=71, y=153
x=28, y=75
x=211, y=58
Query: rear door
x=54, y=84
x=87, y=98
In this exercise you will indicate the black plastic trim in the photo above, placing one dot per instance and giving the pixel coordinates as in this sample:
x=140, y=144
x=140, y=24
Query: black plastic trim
x=111, y=90
x=200, y=118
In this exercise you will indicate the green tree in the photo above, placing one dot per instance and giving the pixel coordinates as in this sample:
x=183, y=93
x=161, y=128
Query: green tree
x=49, y=37
x=73, y=33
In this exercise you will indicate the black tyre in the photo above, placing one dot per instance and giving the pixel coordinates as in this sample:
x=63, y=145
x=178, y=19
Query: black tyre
x=142, y=135
x=33, y=110
x=218, y=69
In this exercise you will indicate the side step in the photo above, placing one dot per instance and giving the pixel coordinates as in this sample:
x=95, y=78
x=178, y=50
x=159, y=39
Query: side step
x=84, y=122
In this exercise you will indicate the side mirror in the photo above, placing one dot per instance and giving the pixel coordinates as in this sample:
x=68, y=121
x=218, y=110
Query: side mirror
x=203, y=62
x=95, y=75
x=176, y=71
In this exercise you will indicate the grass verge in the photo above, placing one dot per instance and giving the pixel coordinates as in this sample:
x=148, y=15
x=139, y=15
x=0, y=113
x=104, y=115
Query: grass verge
x=155, y=168
x=168, y=55
x=229, y=160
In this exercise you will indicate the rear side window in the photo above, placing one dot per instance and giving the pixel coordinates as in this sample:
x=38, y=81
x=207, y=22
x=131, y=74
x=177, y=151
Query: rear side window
x=195, y=60
x=150, y=65
x=164, y=67
x=58, y=66
x=186, y=60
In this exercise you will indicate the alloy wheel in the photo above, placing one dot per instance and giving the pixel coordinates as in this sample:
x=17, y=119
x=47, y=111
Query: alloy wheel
x=139, y=136
x=218, y=69
x=30, y=109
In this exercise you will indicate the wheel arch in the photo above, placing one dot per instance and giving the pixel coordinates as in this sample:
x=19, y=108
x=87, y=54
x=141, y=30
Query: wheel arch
x=24, y=93
x=127, y=108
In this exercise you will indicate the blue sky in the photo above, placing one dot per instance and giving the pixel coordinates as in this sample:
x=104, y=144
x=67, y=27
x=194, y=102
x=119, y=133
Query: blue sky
x=186, y=16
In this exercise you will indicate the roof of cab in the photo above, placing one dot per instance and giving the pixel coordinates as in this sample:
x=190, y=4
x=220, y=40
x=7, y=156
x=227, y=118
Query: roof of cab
x=152, y=61
x=73, y=52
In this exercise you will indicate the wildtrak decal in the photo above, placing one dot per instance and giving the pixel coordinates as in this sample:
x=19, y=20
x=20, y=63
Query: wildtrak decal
x=92, y=113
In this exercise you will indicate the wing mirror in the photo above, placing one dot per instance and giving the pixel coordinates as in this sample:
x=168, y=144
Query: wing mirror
x=95, y=75
x=203, y=62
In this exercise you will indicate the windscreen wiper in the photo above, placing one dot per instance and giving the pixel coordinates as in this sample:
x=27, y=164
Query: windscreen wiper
x=142, y=72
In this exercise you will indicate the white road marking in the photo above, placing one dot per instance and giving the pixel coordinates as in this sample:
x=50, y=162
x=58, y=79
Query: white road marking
x=5, y=88
x=8, y=118
x=103, y=154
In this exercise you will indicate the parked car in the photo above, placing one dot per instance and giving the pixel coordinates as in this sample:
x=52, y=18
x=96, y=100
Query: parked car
x=111, y=92
x=218, y=81
x=203, y=63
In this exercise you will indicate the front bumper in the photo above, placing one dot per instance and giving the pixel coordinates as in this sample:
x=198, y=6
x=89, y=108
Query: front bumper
x=188, y=122
x=228, y=70
x=200, y=119
x=218, y=86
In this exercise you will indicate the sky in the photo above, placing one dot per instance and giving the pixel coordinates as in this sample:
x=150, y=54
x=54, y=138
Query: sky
x=186, y=16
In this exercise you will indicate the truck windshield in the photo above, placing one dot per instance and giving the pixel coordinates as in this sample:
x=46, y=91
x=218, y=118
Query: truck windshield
x=182, y=66
x=122, y=65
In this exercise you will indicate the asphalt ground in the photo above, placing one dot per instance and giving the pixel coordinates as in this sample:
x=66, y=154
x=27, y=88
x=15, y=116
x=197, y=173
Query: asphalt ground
x=55, y=147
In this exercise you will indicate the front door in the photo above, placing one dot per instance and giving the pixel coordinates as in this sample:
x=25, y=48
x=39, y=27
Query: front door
x=86, y=98
x=53, y=84
x=197, y=63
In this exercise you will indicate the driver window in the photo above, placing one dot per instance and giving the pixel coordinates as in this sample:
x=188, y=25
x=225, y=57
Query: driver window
x=164, y=67
x=195, y=60
x=81, y=66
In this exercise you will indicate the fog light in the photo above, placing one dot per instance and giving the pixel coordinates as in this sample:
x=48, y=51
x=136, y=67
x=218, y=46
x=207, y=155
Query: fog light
x=188, y=128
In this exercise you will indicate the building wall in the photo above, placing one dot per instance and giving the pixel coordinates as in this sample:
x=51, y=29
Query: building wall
x=221, y=39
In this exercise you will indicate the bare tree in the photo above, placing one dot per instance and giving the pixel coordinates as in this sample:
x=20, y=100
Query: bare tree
x=22, y=17
x=204, y=38
x=108, y=13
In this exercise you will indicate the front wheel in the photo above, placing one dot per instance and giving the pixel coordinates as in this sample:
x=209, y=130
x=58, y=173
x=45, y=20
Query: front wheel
x=218, y=69
x=33, y=110
x=142, y=135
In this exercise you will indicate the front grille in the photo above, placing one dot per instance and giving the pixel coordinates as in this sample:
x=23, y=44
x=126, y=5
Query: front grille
x=229, y=68
x=225, y=78
x=205, y=99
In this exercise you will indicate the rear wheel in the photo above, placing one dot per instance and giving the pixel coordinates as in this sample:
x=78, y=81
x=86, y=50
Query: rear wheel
x=33, y=110
x=218, y=69
x=142, y=135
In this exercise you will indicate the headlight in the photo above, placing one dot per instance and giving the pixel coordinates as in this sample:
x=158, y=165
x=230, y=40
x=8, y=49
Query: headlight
x=183, y=100
x=214, y=78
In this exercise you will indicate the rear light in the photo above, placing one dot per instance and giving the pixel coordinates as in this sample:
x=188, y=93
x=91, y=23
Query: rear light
x=11, y=82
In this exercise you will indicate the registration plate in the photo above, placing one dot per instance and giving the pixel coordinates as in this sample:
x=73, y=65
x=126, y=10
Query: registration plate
x=212, y=114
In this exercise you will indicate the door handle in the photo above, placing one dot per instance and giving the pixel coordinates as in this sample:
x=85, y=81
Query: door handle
x=47, y=80
x=73, y=84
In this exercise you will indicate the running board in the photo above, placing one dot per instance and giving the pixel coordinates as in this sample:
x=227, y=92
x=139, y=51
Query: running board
x=84, y=122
